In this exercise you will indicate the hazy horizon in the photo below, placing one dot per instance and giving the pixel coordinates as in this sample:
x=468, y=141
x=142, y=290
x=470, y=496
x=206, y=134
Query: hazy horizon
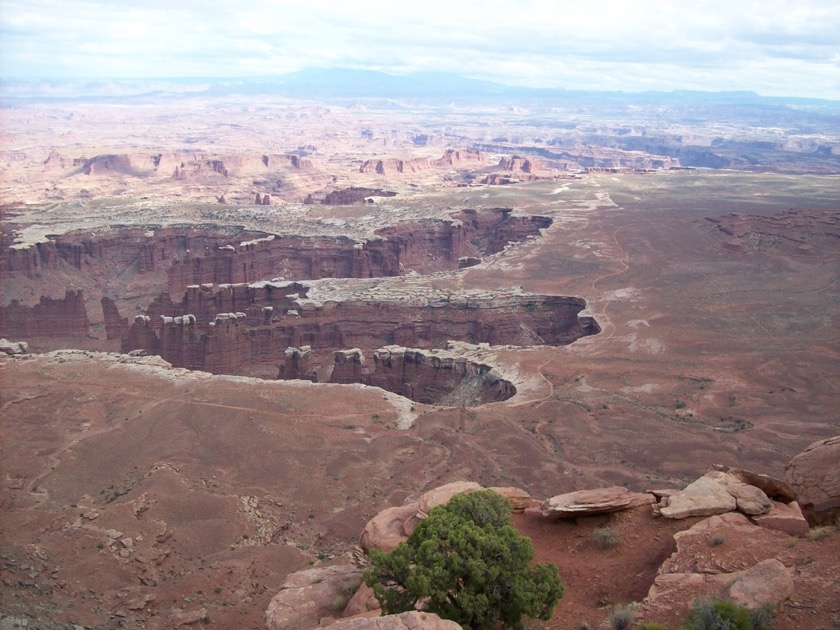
x=771, y=48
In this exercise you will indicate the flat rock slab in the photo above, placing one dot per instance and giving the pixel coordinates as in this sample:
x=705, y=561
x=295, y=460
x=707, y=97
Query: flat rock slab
x=599, y=501
x=784, y=517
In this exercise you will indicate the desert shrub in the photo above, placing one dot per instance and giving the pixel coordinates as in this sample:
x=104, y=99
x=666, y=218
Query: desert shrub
x=467, y=563
x=819, y=533
x=653, y=626
x=621, y=617
x=606, y=538
x=724, y=614
x=717, y=539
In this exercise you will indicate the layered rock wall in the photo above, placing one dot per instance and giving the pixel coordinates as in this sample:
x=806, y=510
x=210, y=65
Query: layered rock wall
x=63, y=317
x=255, y=340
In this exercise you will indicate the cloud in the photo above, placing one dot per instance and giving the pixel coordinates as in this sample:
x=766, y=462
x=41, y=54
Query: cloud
x=614, y=44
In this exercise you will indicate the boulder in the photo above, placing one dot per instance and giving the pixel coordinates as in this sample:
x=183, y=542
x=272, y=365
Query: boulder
x=716, y=492
x=413, y=620
x=784, y=517
x=776, y=489
x=518, y=498
x=442, y=494
x=362, y=602
x=598, y=501
x=703, y=497
x=387, y=529
x=768, y=583
x=814, y=475
x=307, y=597
x=749, y=499
x=393, y=525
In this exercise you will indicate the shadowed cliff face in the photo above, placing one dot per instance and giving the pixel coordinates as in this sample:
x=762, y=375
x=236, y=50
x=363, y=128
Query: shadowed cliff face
x=275, y=318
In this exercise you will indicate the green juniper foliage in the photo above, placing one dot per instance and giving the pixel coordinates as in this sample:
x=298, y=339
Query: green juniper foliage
x=467, y=563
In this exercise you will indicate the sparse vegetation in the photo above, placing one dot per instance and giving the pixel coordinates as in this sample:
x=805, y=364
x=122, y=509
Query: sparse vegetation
x=717, y=540
x=606, y=538
x=653, y=626
x=820, y=533
x=793, y=541
x=467, y=563
x=724, y=614
x=680, y=405
x=622, y=617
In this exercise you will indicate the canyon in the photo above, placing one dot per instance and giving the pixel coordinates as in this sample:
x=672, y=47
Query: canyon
x=230, y=320
x=233, y=343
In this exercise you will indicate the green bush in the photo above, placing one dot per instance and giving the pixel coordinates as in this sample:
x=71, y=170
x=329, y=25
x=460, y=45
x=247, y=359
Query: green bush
x=724, y=614
x=653, y=626
x=467, y=563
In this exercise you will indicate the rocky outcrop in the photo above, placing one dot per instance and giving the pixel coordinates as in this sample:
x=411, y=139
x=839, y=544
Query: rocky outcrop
x=413, y=620
x=455, y=157
x=573, y=155
x=814, y=475
x=308, y=597
x=393, y=165
x=517, y=163
x=744, y=565
x=116, y=327
x=13, y=347
x=63, y=317
x=450, y=158
x=716, y=492
x=177, y=165
x=347, y=196
x=597, y=501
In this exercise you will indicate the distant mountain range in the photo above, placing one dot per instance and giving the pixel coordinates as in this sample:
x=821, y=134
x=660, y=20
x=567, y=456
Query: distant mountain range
x=340, y=83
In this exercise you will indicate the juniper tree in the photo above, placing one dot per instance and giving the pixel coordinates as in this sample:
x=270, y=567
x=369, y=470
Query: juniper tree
x=467, y=563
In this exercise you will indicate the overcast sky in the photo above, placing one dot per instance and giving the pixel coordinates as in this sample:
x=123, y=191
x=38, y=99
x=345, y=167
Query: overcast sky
x=773, y=47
